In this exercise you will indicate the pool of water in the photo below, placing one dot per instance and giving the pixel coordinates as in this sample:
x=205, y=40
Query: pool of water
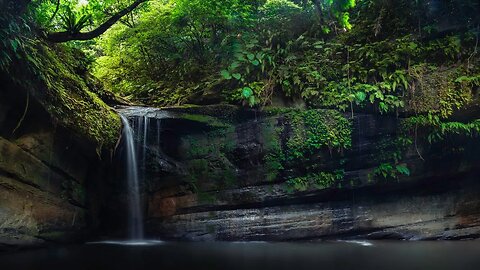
x=160, y=255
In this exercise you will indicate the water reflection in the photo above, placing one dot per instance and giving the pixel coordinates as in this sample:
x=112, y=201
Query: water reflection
x=251, y=255
x=129, y=243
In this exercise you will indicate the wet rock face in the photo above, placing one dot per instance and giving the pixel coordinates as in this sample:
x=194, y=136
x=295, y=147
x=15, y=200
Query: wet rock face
x=46, y=173
x=360, y=214
x=229, y=187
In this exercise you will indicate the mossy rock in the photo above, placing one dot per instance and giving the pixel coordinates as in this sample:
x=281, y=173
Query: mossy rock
x=56, y=76
x=221, y=112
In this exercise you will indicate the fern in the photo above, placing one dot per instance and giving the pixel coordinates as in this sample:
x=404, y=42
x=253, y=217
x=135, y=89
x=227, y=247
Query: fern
x=73, y=25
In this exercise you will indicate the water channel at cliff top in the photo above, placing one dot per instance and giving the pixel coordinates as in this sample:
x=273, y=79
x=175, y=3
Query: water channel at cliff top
x=438, y=255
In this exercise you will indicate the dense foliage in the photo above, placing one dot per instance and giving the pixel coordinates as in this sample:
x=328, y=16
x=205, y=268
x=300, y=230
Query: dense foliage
x=413, y=58
x=340, y=54
x=344, y=54
x=77, y=15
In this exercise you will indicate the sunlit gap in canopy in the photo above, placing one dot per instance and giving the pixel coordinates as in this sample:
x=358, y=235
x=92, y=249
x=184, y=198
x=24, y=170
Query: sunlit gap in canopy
x=82, y=3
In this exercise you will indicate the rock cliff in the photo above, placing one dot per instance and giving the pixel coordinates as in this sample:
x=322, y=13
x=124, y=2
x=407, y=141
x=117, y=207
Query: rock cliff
x=220, y=173
x=56, y=141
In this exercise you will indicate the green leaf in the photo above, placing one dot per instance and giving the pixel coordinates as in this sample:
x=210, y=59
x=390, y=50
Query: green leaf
x=251, y=101
x=379, y=95
x=14, y=44
x=360, y=96
x=237, y=76
x=405, y=84
x=326, y=30
x=403, y=170
x=383, y=107
x=247, y=92
x=255, y=62
x=250, y=56
x=225, y=74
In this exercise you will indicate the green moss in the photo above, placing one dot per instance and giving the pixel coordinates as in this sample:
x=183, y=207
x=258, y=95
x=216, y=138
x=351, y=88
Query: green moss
x=301, y=134
x=207, y=161
x=58, y=84
x=288, y=139
x=208, y=120
x=195, y=146
x=223, y=112
x=198, y=169
x=311, y=130
x=212, y=143
x=213, y=169
x=229, y=177
x=274, y=157
x=440, y=91
x=321, y=180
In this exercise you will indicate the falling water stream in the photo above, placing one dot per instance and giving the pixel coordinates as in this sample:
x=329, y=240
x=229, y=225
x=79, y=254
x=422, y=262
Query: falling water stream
x=135, y=216
x=136, y=129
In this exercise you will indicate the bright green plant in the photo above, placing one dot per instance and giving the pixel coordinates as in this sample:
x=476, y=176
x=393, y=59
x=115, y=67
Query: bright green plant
x=13, y=32
x=321, y=180
x=74, y=22
x=389, y=171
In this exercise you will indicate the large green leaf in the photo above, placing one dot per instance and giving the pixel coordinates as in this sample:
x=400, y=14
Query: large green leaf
x=360, y=96
x=403, y=170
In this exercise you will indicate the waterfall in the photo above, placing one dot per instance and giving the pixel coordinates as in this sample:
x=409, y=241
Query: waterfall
x=146, y=128
x=135, y=216
x=142, y=142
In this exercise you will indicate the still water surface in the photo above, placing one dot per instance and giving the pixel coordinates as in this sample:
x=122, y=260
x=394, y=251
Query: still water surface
x=251, y=256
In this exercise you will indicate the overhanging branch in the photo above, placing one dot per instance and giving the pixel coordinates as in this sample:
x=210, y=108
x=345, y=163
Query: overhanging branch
x=59, y=37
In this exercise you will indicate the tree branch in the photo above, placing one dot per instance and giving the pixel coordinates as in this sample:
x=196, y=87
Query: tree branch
x=59, y=37
x=55, y=12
